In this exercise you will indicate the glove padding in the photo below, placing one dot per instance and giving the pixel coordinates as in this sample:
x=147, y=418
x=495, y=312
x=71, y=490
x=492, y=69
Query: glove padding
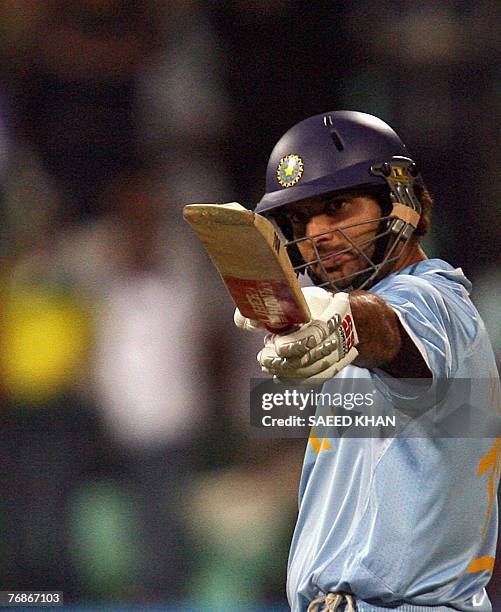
x=245, y=323
x=318, y=349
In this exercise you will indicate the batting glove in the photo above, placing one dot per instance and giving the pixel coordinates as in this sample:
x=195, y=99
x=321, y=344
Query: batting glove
x=318, y=349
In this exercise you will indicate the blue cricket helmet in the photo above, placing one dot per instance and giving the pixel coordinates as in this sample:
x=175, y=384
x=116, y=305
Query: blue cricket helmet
x=332, y=151
x=343, y=151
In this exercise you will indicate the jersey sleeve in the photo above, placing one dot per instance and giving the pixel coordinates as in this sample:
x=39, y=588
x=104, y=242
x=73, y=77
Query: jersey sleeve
x=438, y=316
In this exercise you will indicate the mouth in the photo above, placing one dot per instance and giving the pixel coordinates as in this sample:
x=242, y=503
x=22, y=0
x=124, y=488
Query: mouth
x=332, y=263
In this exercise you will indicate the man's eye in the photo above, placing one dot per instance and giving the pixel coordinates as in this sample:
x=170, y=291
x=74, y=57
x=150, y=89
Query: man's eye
x=334, y=207
x=298, y=218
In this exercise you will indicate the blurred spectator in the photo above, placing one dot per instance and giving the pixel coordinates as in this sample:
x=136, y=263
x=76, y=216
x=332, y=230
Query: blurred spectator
x=243, y=517
x=73, y=72
x=150, y=373
x=71, y=67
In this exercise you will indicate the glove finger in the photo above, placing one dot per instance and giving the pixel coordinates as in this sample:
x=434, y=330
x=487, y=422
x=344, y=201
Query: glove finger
x=268, y=358
x=324, y=369
x=302, y=340
x=269, y=340
x=283, y=371
x=315, y=354
x=245, y=323
x=331, y=371
x=323, y=350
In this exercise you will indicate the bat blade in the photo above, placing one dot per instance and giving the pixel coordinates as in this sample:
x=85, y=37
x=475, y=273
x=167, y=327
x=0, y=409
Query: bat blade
x=252, y=261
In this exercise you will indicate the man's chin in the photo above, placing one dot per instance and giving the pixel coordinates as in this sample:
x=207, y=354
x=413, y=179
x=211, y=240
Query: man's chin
x=339, y=278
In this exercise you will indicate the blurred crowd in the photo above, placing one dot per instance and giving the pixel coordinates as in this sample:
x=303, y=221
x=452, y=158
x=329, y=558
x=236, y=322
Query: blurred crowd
x=128, y=473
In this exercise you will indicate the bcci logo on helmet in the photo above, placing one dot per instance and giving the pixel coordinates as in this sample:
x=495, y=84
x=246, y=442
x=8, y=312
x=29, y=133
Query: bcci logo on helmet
x=290, y=170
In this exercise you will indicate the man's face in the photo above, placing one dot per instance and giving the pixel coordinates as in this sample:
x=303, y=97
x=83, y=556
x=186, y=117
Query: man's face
x=331, y=226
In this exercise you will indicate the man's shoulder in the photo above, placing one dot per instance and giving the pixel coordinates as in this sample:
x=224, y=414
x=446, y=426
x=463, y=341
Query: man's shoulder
x=428, y=275
x=435, y=293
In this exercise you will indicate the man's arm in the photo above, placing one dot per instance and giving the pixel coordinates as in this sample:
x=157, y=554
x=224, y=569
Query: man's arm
x=382, y=340
x=359, y=328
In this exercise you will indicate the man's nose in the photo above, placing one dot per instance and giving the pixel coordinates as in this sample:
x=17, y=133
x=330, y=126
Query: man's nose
x=321, y=228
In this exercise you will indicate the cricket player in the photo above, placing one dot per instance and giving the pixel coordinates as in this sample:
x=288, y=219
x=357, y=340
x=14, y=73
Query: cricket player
x=405, y=523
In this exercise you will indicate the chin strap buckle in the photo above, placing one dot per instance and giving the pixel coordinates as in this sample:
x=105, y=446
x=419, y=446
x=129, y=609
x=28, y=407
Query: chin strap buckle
x=400, y=175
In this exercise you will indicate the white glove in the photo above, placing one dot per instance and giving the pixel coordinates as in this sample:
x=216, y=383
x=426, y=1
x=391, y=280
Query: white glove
x=318, y=349
x=318, y=300
x=245, y=323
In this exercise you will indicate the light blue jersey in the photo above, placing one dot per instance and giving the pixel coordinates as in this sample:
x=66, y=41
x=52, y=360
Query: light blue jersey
x=409, y=522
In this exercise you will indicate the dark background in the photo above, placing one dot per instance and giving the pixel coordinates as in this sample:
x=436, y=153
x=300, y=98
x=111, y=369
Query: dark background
x=127, y=471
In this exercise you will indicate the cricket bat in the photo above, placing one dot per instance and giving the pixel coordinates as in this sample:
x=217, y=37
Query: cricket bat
x=252, y=261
